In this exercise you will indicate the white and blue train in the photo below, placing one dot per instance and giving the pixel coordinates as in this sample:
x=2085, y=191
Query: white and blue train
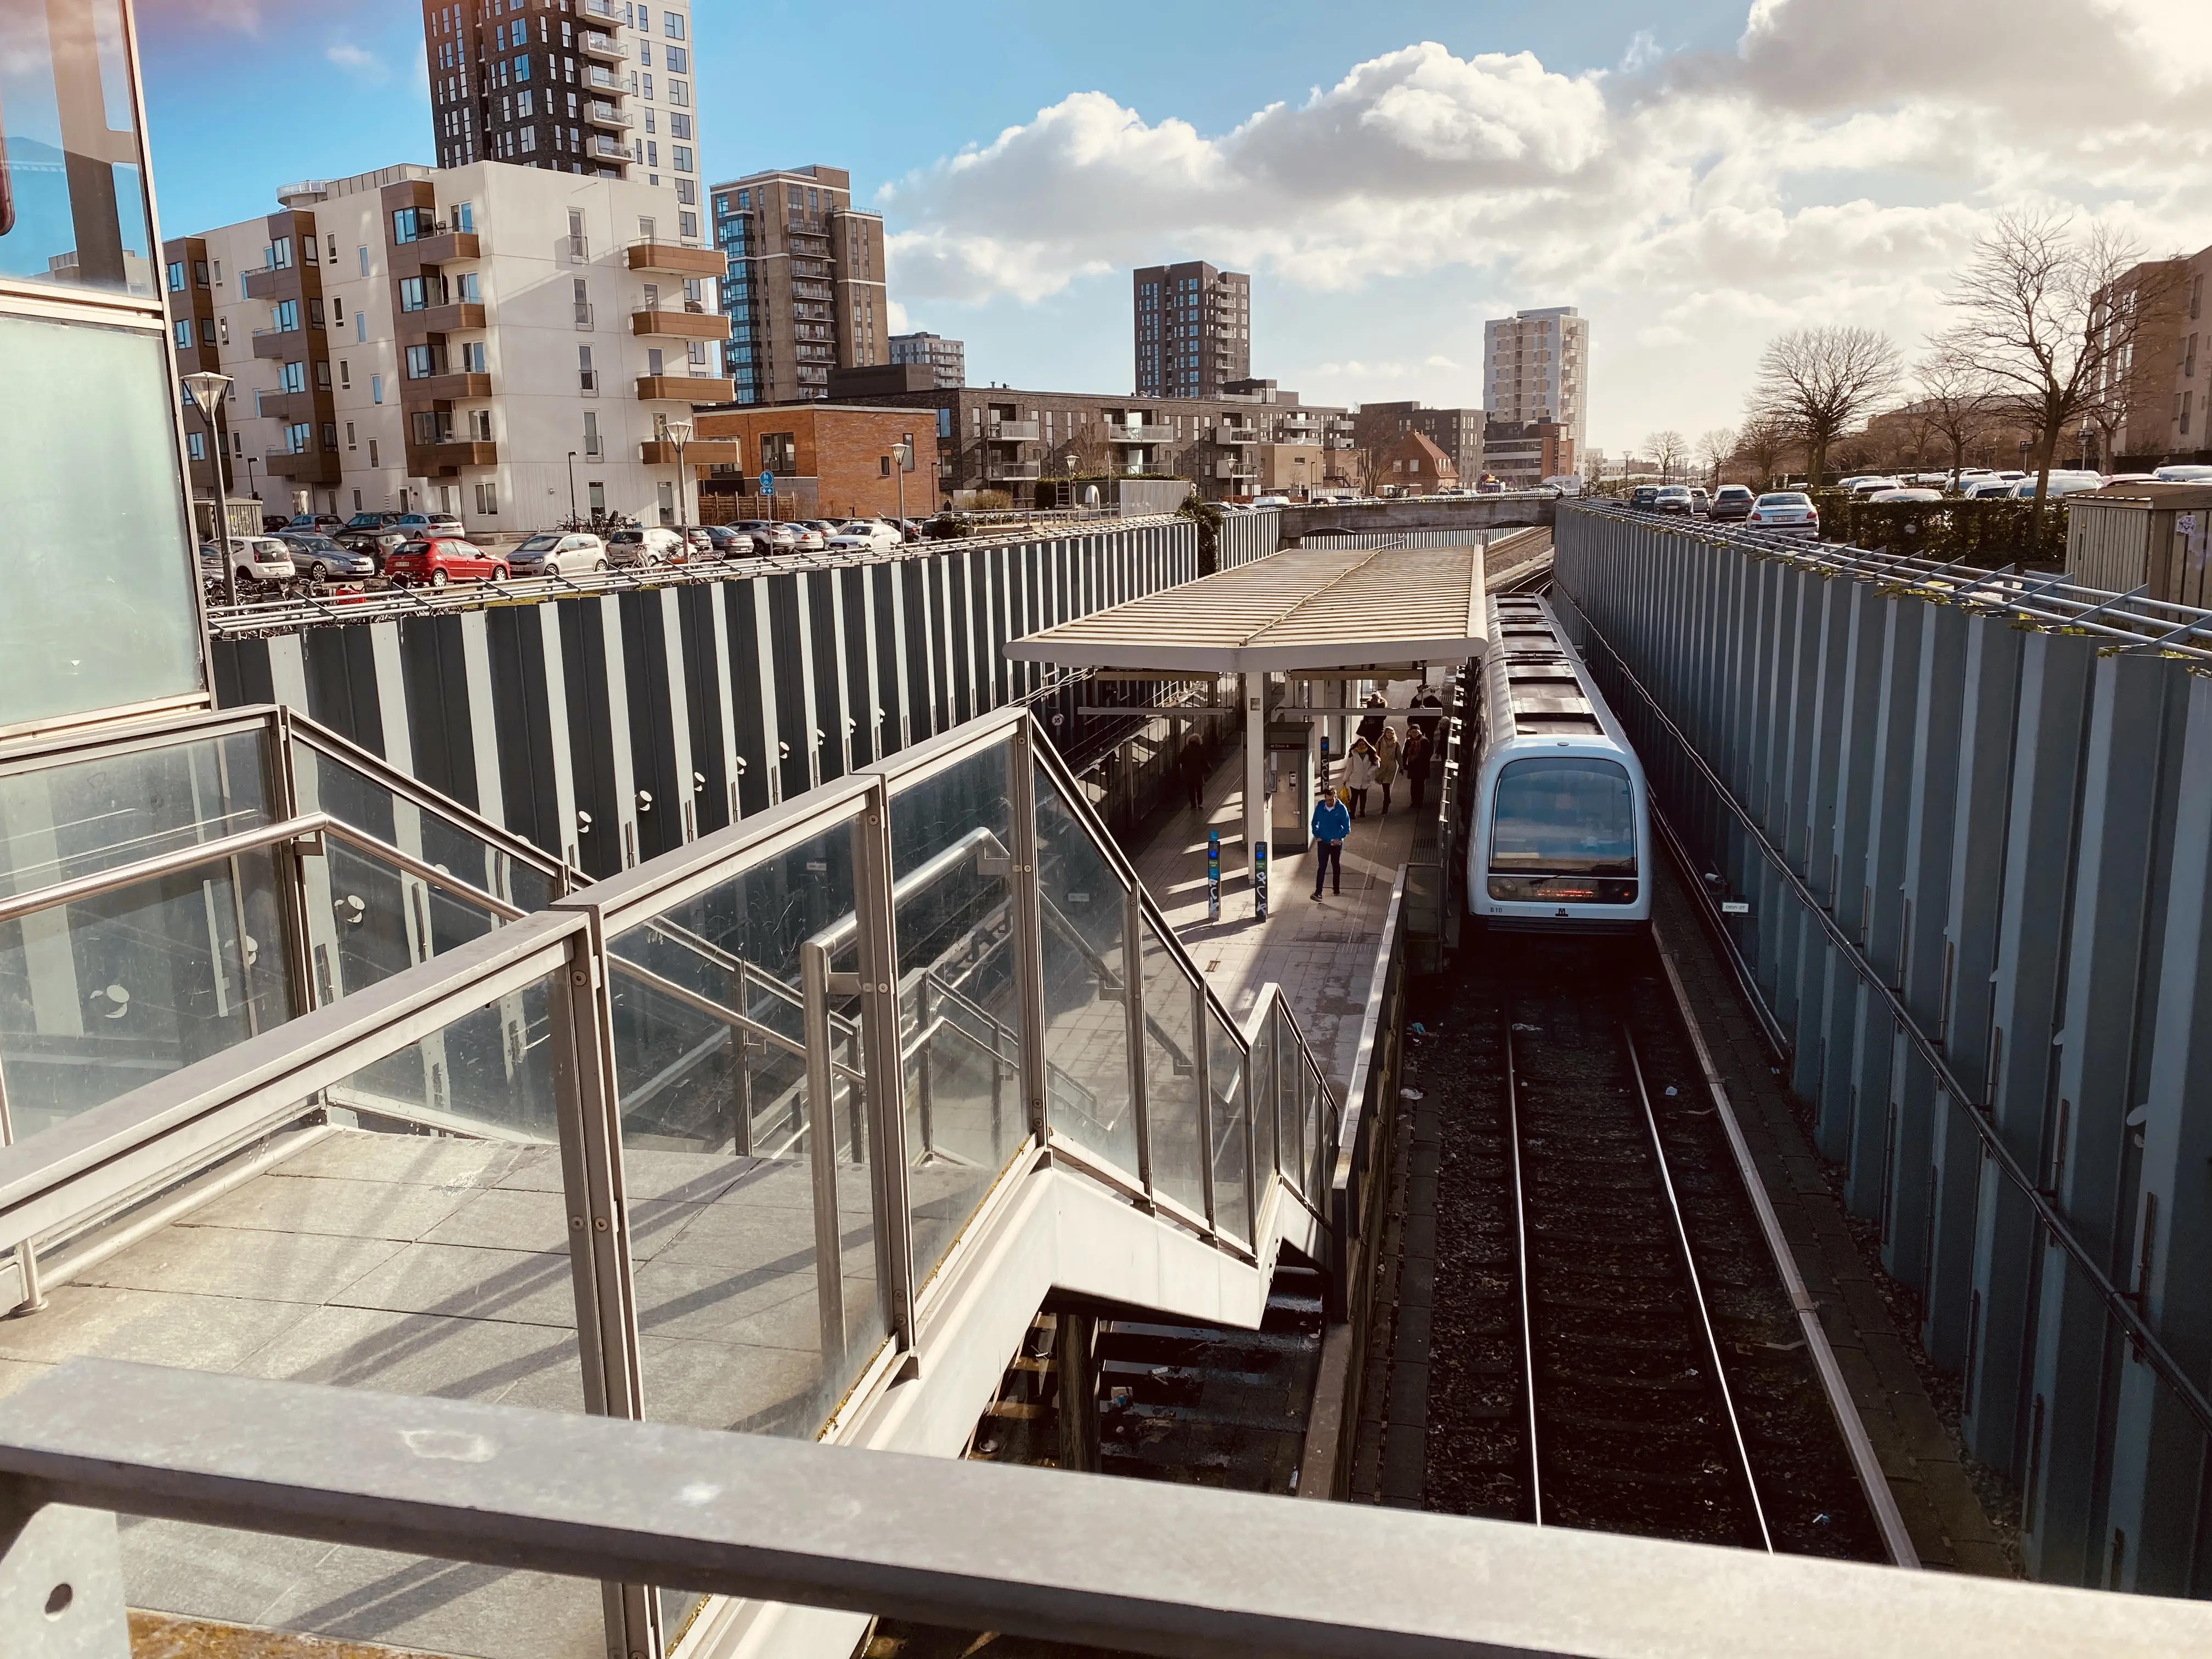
x=1559, y=840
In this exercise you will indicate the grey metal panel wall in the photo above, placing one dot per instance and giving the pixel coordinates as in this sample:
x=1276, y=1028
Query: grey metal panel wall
x=1978, y=854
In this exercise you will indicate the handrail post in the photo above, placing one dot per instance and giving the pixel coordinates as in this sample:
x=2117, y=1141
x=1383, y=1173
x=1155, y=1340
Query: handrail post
x=885, y=1071
x=1132, y=1004
x=822, y=1156
x=1029, y=924
x=588, y=1104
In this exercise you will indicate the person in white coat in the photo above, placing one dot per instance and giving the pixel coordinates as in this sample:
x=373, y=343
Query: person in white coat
x=1360, y=774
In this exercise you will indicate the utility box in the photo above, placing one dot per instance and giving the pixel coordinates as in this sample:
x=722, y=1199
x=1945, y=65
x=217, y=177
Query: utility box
x=1293, y=774
x=2142, y=535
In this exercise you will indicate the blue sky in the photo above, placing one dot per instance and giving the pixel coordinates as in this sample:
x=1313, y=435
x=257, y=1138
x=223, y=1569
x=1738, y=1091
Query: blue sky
x=1693, y=184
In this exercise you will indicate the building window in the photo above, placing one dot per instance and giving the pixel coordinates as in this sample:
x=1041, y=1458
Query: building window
x=679, y=126
x=596, y=494
x=487, y=501
x=299, y=438
x=588, y=377
x=592, y=433
x=414, y=293
x=677, y=61
x=373, y=460
x=349, y=436
x=672, y=25
x=376, y=388
x=356, y=501
x=688, y=221
x=465, y=217
x=422, y=362
x=409, y=223
x=287, y=316
x=207, y=331
x=323, y=373
x=183, y=333
x=293, y=377
x=525, y=106
x=196, y=445
x=176, y=276
x=280, y=253
x=679, y=93
x=474, y=358
x=529, y=134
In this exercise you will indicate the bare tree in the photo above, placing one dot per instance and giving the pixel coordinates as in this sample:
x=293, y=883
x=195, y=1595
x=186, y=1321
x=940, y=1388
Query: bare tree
x=2051, y=319
x=1814, y=383
x=1714, y=448
x=1667, y=448
x=1761, y=448
x=1958, y=403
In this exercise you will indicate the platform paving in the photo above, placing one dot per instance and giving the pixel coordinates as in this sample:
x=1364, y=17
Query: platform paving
x=1322, y=952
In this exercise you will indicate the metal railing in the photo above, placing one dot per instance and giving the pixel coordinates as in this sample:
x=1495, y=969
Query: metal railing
x=877, y=1003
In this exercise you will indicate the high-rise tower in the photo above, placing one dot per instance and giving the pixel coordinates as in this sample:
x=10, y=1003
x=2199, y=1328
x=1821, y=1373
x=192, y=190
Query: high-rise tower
x=1192, y=327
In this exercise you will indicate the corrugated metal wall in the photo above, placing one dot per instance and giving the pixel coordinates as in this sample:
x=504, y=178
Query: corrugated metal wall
x=1249, y=536
x=1976, y=854
x=611, y=727
x=1404, y=538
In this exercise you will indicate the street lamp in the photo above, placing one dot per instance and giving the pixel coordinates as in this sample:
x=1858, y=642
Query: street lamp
x=251, y=488
x=680, y=433
x=572, y=489
x=207, y=388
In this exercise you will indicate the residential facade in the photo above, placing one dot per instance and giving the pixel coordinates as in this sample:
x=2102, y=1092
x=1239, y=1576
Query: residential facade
x=1414, y=466
x=1536, y=368
x=1522, y=455
x=1192, y=329
x=597, y=87
x=805, y=293
x=827, y=460
x=1027, y=445
x=2159, y=386
x=467, y=340
x=1457, y=432
x=946, y=360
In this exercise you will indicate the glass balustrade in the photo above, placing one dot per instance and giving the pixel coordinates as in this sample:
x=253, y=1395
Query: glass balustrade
x=1083, y=903
x=1172, y=999
x=1227, y=1065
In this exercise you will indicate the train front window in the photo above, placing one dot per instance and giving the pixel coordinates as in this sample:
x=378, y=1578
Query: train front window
x=1564, y=815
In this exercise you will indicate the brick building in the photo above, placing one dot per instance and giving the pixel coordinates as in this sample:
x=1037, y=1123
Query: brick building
x=1192, y=328
x=1023, y=443
x=1521, y=455
x=1415, y=466
x=829, y=460
x=1458, y=432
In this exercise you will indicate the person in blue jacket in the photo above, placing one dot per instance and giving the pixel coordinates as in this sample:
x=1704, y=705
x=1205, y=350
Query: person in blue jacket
x=1332, y=822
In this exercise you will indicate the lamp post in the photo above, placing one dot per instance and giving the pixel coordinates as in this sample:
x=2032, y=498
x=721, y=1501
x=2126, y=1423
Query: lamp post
x=207, y=389
x=572, y=488
x=679, y=434
x=901, y=458
x=251, y=488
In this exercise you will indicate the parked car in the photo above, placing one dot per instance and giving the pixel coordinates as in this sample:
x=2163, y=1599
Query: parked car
x=369, y=522
x=1867, y=486
x=560, y=553
x=379, y=543
x=726, y=542
x=434, y=561
x=1644, y=498
x=1730, y=501
x=1983, y=489
x=777, y=536
x=321, y=523
x=273, y=522
x=909, y=528
x=871, y=533
x=1907, y=493
x=418, y=524
x=2060, y=483
x=1700, y=503
x=1790, y=511
x=806, y=536
x=2134, y=478
x=645, y=545
x=1672, y=498
x=255, y=558
x=698, y=544
x=2184, y=475
x=320, y=559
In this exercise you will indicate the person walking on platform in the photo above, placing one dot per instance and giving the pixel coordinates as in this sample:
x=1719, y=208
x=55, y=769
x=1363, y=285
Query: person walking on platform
x=1358, y=776
x=1331, y=824
x=1418, y=754
x=1191, y=763
x=1372, y=726
x=1385, y=765
x=1425, y=720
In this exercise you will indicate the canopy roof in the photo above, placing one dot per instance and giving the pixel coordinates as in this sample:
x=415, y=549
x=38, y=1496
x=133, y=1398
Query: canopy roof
x=1350, y=609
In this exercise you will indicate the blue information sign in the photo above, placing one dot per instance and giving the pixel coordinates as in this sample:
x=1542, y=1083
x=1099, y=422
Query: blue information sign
x=767, y=482
x=1213, y=875
x=1259, y=879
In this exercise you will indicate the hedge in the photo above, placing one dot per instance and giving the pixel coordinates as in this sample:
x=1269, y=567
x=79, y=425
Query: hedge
x=1987, y=533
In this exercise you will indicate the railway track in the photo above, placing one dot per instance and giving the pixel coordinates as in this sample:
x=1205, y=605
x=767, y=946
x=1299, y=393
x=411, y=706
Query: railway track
x=1612, y=1347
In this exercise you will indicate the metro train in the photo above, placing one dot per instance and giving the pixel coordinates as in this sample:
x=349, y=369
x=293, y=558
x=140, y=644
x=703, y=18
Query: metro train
x=1559, y=840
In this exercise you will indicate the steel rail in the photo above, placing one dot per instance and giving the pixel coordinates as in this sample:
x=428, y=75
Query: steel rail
x=2048, y=1214
x=1697, y=1289
x=1896, y=1538
x=1521, y=1271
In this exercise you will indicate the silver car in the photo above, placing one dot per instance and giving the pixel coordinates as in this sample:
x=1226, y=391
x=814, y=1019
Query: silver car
x=255, y=558
x=320, y=559
x=559, y=553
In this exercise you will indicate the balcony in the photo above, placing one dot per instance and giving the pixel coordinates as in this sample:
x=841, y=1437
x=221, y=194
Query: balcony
x=1015, y=432
x=446, y=388
x=436, y=249
x=306, y=466
x=605, y=79
x=265, y=282
x=280, y=345
x=608, y=149
x=684, y=324
x=650, y=255
x=686, y=388
x=444, y=459
x=1140, y=434
x=442, y=320
x=603, y=48
x=1009, y=469
x=285, y=406
x=1236, y=434
x=1235, y=469
x=611, y=116
x=700, y=452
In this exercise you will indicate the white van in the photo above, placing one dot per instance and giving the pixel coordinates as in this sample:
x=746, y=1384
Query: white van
x=1567, y=483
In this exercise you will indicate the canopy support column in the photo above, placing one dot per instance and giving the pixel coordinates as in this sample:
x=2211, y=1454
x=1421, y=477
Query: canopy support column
x=1255, y=692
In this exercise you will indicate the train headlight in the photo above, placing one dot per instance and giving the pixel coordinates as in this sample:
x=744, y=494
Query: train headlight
x=1564, y=890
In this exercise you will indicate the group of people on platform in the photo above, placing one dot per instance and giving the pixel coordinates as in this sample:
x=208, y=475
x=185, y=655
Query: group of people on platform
x=1377, y=758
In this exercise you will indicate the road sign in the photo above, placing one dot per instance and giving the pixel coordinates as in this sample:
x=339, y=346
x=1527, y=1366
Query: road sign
x=767, y=482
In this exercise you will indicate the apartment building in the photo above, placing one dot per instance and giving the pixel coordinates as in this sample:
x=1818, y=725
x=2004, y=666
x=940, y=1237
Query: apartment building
x=1193, y=330
x=2157, y=386
x=488, y=340
x=1025, y=443
x=596, y=86
x=1522, y=455
x=1536, y=368
x=946, y=360
x=804, y=294
x=825, y=459
x=1457, y=432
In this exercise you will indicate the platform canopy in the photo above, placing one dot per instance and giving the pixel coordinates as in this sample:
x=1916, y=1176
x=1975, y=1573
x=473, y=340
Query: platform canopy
x=1348, y=611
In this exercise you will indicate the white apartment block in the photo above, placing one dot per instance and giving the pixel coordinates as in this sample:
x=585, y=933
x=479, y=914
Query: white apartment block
x=1536, y=367
x=477, y=340
x=599, y=87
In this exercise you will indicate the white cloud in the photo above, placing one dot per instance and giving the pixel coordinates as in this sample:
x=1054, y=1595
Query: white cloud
x=360, y=61
x=1837, y=164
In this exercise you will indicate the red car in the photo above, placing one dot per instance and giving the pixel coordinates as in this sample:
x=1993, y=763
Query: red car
x=440, y=560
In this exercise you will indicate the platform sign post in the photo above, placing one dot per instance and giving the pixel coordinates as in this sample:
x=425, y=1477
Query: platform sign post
x=1213, y=875
x=1324, y=757
x=768, y=483
x=1259, y=880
